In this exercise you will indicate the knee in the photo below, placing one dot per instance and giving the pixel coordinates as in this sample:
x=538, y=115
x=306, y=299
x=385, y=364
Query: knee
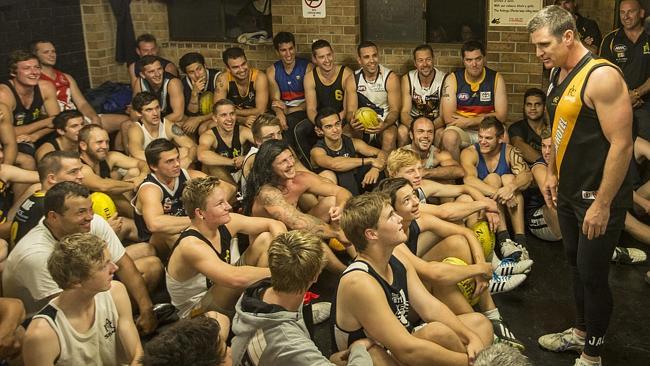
x=459, y=247
x=329, y=175
x=493, y=180
x=439, y=333
x=464, y=198
x=263, y=241
x=507, y=178
x=450, y=139
x=479, y=324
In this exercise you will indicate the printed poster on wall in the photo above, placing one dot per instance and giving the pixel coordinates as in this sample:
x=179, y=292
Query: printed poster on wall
x=513, y=13
x=313, y=8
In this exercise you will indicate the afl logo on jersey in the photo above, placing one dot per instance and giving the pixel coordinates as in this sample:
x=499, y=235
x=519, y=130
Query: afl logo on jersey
x=463, y=97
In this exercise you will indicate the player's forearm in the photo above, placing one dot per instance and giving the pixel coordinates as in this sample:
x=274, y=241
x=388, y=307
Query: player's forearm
x=444, y=173
x=193, y=103
x=614, y=172
x=208, y=157
x=112, y=186
x=44, y=124
x=166, y=224
x=10, y=149
x=175, y=116
x=644, y=88
x=391, y=118
x=340, y=164
x=522, y=181
x=134, y=283
x=484, y=188
x=457, y=211
x=12, y=314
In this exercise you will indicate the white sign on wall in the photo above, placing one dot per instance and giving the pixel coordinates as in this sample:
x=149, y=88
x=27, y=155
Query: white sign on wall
x=313, y=8
x=513, y=12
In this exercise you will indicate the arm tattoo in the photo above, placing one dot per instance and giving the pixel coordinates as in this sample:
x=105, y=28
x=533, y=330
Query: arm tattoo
x=176, y=130
x=517, y=163
x=445, y=92
x=288, y=214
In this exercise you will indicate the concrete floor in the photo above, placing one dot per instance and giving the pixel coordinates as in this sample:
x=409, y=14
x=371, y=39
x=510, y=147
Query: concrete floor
x=544, y=304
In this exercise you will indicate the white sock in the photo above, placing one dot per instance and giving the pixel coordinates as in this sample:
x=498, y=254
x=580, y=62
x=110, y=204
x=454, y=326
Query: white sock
x=492, y=314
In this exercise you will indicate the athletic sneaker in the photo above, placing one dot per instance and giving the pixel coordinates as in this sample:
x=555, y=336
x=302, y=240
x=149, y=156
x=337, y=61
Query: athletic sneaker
x=628, y=255
x=320, y=311
x=508, y=266
x=503, y=335
x=561, y=342
x=582, y=362
x=516, y=251
x=499, y=284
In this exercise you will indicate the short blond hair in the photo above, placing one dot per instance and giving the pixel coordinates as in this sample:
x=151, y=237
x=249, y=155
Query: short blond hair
x=73, y=258
x=295, y=260
x=196, y=193
x=361, y=213
x=399, y=159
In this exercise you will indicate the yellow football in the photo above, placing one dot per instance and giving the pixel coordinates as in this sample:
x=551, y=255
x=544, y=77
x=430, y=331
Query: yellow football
x=367, y=117
x=466, y=286
x=103, y=205
x=485, y=236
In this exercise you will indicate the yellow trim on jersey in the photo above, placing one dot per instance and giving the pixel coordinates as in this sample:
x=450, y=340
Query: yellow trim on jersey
x=475, y=86
x=569, y=107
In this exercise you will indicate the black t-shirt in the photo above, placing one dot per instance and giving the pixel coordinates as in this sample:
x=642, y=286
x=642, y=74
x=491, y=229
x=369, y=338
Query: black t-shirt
x=588, y=28
x=632, y=58
x=522, y=129
x=27, y=217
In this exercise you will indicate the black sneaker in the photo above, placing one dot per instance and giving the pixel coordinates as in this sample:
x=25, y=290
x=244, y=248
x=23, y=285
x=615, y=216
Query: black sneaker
x=503, y=335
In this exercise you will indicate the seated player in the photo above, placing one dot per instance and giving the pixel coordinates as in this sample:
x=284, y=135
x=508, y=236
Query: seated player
x=246, y=87
x=152, y=125
x=286, y=83
x=269, y=327
x=12, y=313
x=525, y=134
x=469, y=95
x=434, y=241
x=68, y=93
x=166, y=87
x=146, y=45
x=468, y=200
x=274, y=188
x=9, y=176
x=91, y=318
x=199, y=85
x=421, y=94
x=67, y=125
x=107, y=171
x=324, y=87
x=499, y=171
x=380, y=296
x=8, y=142
x=31, y=105
x=436, y=164
x=347, y=162
x=189, y=342
x=201, y=274
x=159, y=212
x=68, y=210
x=378, y=88
x=221, y=148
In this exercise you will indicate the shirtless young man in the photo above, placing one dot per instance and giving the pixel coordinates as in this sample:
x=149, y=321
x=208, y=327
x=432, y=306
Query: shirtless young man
x=274, y=188
x=201, y=274
x=364, y=308
x=221, y=148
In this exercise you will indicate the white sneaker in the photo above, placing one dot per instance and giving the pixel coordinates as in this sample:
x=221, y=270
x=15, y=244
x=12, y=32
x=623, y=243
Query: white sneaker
x=499, y=284
x=511, y=249
x=320, y=312
x=508, y=266
x=628, y=255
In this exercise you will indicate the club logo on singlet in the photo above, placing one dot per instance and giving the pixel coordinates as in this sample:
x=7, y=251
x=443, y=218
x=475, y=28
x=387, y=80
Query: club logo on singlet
x=485, y=96
x=109, y=328
x=402, y=307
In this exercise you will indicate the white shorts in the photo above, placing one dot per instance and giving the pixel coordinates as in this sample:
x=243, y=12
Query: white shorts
x=467, y=137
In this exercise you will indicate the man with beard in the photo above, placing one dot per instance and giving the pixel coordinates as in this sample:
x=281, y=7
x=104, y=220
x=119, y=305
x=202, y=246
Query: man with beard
x=106, y=171
x=68, y=210
x=199, y=85
x=421, y=93
x=246, y=87
x=470, y=94
x=274, y=188
x=499, y=171
x=146, y=45
x=286, y=87
x=377, y=88
x=68, y=93
x=151, y=125
x=436, y=164
x=526, y=134
x=67, y=125
x=221, y=149
x=166, y=87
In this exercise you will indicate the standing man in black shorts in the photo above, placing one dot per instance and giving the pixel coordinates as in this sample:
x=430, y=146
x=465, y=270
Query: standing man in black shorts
x=589, y=107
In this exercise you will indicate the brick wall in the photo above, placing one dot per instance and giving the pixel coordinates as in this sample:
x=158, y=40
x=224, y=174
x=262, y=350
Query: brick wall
x=59, y=21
